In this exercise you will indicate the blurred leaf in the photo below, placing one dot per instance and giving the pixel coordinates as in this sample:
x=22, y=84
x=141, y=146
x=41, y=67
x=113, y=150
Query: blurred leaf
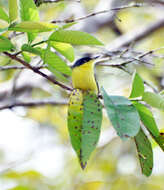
x=22, y=188
x=147, y=119
x=95, y=185
x=33, y=26
x=56, y=62
x=123, y=115
x=5, y=44
x=65, y=49
x=68, y=25
x=155, y=100
x=74, y=37
x=29, y=12
x=84, y=123
x=3, y=15
x=13, y=10
x=137, y=86
x=145, y=153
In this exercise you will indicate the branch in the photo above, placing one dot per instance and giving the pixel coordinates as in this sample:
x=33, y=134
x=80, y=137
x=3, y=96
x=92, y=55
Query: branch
x=135, y=35
x=97, y=13
x=32, y=104
x=4, y=68
x=34, y=69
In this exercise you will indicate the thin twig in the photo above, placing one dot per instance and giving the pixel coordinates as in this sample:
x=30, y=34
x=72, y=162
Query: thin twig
x=97, y=13
x=34, y=103
x=14, y=57
x=10, y=67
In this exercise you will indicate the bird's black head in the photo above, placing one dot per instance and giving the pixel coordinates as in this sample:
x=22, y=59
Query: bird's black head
x=81, y=61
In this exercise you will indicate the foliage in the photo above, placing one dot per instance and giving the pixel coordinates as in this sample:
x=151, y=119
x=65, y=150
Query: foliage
x=136, y=115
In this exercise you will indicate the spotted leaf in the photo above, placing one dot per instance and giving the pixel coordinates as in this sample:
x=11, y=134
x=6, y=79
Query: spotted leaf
x=84, y=123
x=123, y=115
x=92, y=119
x=145, y=153
x=75, y=117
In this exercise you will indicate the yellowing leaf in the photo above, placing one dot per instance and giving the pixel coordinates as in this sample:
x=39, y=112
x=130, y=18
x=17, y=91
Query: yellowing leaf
x=65, y=49
x=30, y=26
x=74, y=37
x=95, y=185
x=13, y=10
x=3, y=15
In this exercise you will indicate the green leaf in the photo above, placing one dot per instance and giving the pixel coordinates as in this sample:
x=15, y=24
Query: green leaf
x=137, y=86
x=155, y=100
x=123, y=115
x=30, y=49
x=92, y=119
x=29, y=12
x=30, y=26
x=68, y=25
x=74, y=37
x=3, y=30
x=5, y=44
x=65, y=49
x=84, y=123
x=26, y=57
x=159, y=140
x=3, y=15
x=57, y=74
x=13, y=10
x=145, y=153
x=147, y=119
x=56, y=62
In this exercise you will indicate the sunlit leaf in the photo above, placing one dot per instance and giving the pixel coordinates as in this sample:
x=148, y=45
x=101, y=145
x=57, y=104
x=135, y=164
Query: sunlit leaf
x=155, y=100
x=84, y=123
x=26, y=57
x=147, y=119
x=5, y=44
x=30, y=49
x=145, y=153
x=3, y=15
x=137, y=86
x=74, y=37
x=65, y=49
x=31, y=26
x=123, y=115
x=29, y=12
x=13, y=10
x=56, y=62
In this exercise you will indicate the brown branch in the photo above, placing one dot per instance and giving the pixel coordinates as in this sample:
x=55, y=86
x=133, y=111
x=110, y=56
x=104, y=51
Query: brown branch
x=15, y=67
x=35, y=103
x=97, y=13
x=34, y=69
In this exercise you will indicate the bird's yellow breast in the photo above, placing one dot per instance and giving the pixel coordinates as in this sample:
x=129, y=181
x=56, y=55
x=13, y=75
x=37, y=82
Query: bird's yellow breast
x=83, y=77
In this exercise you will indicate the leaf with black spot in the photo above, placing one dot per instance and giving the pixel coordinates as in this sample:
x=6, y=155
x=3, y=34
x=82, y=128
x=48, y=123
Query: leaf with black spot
x=75, y=117
x=91, y=127
x=84, y=123
x=123, y=115
x=145, y=152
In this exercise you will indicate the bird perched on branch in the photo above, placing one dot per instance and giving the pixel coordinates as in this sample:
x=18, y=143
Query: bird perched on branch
x=83, y=76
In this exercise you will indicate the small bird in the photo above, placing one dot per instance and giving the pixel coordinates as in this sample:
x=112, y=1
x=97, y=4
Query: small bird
x=83, y=76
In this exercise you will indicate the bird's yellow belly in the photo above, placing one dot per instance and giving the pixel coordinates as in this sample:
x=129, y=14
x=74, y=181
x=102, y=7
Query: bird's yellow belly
x=83, y=78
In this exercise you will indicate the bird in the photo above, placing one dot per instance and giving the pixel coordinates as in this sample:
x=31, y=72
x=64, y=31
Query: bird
x=83, y=75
